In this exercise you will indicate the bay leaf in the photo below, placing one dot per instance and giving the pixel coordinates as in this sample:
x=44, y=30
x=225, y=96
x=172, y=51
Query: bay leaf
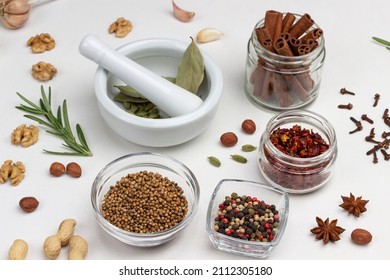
x=128, y=90
x=121, y=97
x=190, y=72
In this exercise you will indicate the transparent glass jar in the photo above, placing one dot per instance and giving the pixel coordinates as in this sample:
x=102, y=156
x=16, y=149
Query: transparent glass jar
x=296, y=174
x=283, y=82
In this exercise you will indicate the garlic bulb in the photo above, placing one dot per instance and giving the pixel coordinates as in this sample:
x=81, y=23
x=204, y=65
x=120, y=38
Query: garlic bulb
x=14, y=13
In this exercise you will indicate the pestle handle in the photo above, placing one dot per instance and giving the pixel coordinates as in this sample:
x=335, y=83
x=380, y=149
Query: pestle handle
x=172, y=99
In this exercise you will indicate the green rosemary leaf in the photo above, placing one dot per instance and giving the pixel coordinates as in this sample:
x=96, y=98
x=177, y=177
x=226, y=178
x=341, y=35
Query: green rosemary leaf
x=59, y=116
x=40, y=121
x=80, y=135
x=45, y=102
x=383, y=42
x=57, y=125
x=65, y=117
x=29, y=109
x=28, y=102
x=62, y=153
x=54, y=133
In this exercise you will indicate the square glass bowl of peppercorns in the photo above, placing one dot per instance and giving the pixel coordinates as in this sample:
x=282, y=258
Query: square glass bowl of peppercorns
x=247, y=218
x=145, y=199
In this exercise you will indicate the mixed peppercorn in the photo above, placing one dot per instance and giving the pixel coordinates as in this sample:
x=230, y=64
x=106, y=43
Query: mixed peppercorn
x=247, y=218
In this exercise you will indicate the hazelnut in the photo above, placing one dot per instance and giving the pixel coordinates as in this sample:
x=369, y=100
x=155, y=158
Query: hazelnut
x=57, y=169
x=73, y=169
x=249, y=126
x=361, y=236
x=228, y=139
x=28, y=204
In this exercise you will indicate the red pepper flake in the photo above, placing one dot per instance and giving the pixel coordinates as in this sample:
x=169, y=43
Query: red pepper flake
x=298, y=142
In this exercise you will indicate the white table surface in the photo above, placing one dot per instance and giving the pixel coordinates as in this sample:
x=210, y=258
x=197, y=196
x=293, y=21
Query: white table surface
x=352, y=61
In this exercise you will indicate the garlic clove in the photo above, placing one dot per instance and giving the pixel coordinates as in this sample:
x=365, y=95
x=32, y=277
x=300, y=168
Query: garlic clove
x=208, y=35
x=181, y=14
x=15, y=21
x=17, y=7
x=15, y=13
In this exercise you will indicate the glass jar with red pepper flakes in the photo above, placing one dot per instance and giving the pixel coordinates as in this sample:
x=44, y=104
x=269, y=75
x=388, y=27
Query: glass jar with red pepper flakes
x=297, y=151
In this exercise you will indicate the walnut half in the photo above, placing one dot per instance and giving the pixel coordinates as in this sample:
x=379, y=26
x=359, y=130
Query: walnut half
x=121, y=27
x=13, y=171
x=40, y=43
x=25, y=136
x=43, y=71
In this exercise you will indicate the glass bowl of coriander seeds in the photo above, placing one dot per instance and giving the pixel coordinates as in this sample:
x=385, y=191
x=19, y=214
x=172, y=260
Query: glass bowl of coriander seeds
x=247, y=218
x=145, y=199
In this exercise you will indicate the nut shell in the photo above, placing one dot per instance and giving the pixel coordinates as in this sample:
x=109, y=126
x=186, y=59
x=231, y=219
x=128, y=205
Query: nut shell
x=66, y=231
x=249, y=126
x=28, y=204
x=52, y=247
x=57, y=169
x=73, y=169
x=18, y=250
x=229, y=139
x=361, y=236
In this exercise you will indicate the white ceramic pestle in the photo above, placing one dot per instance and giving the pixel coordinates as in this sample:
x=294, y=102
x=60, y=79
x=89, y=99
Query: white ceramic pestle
x=172, y=99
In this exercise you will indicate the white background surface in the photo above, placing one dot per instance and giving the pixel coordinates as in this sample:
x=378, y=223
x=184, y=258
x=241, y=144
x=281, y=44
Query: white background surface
x=353, y=61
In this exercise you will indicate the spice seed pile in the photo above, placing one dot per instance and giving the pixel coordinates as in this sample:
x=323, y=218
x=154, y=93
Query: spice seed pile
x=247, y=218
x=144, y=202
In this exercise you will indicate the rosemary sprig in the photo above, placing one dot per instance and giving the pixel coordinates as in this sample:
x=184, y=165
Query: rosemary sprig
x=56, y=125
x=383, y=42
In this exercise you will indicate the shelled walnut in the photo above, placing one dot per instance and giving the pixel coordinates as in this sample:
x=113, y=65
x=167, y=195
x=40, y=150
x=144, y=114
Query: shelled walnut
x=25, y=136
x=121, y=27
x=5, y=171
x=41, y=43
x=43, y=71
x=13, y=171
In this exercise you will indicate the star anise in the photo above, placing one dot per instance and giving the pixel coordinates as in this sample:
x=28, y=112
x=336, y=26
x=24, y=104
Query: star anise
x=327, y=231
x=354, y=206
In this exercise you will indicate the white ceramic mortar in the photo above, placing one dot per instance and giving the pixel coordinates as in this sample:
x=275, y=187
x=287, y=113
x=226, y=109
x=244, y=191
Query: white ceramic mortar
x=161, y=56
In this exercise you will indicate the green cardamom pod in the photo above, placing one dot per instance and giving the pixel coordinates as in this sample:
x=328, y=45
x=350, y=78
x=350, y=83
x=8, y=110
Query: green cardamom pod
x=214, y=161
x=141, y=113
x=127, y=105
x=248, y=148
x=133, y=108
x=239, y=158
x=149, y=107
x=153, y=116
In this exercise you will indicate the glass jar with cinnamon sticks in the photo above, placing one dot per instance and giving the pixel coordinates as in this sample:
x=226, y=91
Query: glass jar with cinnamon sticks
x=297, y=151
x=286, y=53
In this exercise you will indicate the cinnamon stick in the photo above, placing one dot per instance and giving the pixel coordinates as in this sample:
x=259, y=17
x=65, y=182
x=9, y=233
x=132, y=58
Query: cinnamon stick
x=294, y=43
x=288, y=21
x=278, y=27
x=281, y=47
x=271, y=20
x=296, y=87
x=301, y=26
x=303, y=49
x=313, y=34
x=286, y=36
x=257, y=79
x=283, y=96
x=264, y=38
